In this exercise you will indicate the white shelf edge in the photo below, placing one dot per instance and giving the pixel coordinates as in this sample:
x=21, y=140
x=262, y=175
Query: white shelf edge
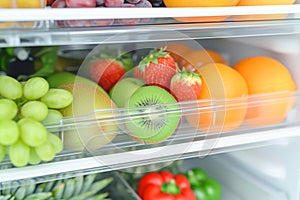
x=47, y=169
x=36, y=14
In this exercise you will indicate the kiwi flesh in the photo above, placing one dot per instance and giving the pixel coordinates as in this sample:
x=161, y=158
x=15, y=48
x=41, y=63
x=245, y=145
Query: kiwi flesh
x=154, y=114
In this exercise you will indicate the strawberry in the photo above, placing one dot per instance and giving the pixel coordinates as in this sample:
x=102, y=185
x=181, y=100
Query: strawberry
x=157, y=68
x=186, y=86
x=109, y=68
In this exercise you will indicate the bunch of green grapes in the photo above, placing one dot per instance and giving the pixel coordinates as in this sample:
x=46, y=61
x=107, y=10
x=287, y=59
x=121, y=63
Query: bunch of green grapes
x=25, y=108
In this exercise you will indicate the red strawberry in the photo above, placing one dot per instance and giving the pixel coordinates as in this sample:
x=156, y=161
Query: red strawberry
x=186, y=86
x=106, y=72
x=157, y=68
x=108, y=68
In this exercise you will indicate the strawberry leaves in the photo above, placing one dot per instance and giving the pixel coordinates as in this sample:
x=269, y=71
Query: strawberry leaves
x=153, y=57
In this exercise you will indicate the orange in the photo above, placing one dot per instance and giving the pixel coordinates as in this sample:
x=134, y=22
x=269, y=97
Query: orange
x=264, y=2
x=177, y=50
x=222, y=100
x=200, y=3
x=194, y=59
x=272, y=84
x=261, y=3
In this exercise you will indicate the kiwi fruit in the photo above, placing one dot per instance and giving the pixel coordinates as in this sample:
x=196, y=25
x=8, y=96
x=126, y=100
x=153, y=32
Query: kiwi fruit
x=123, y=89
x=154, y=114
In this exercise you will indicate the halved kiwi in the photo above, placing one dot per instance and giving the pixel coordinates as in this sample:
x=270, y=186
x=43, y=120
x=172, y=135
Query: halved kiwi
x=154, y=116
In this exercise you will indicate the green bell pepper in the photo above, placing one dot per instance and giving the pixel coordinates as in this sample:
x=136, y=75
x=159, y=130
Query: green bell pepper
x=204, y=187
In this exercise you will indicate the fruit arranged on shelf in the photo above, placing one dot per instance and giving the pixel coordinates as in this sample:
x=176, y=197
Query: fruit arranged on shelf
x=109, y=68
x=155, y=114
x=89, y=100
x=165, y=185
x=79, y=188
x=204, y=187
x=151, y=91
x=200, y=3
x=22, y=131
x=262, y=3
x=265, y=75
x=222, y=3
x=101, y=4
x=220, y=82
x=157, y=68
x=186, y=86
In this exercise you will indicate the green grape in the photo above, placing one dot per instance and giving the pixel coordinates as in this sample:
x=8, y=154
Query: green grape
x=2, y=152
x=34, y=109
x=19, y=153
x=9, y=132
x=57, y=98
x=33, y=133
x=56, y=142
x=53, y=117
x=8, y=108
x=34, y=158
x=45, y=151
x=35, y=88
x=10, y=88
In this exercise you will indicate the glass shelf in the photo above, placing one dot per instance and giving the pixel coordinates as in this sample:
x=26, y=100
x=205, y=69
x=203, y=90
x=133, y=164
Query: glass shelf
x=46, y=27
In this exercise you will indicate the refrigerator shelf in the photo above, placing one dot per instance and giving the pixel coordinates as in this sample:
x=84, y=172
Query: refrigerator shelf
x=124, y=151
x=94, y=164
x=38, y=14
x=46, y=27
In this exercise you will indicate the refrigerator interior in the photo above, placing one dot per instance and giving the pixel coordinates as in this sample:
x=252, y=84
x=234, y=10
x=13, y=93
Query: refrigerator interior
x=250, y=162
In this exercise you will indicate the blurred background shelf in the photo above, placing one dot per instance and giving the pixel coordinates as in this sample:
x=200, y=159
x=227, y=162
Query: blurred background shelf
x=40, y=27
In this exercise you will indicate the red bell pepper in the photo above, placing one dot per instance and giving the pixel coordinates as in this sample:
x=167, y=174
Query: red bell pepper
x=165, y=186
